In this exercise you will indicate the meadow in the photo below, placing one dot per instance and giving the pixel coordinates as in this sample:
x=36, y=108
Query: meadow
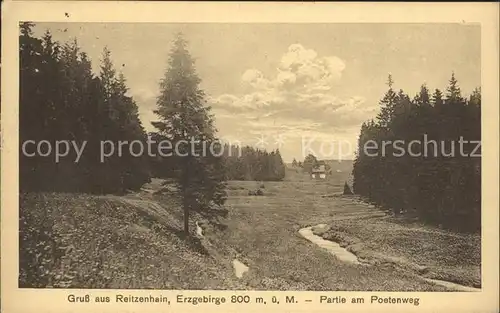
x=135, y=241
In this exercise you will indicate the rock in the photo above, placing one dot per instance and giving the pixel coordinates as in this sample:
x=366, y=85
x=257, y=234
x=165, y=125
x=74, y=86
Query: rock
x=319, y=230
x=422, y=269
x=166, y=189
x=257, y=192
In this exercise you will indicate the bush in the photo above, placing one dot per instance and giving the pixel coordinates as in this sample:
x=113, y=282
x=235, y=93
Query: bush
x=347, y=189
x=257, y=192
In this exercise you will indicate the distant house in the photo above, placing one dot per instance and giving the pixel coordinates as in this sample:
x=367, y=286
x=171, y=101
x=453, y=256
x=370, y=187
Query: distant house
x=318, y=172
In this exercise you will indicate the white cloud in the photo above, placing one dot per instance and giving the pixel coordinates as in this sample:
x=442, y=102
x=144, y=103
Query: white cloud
x=309, y=70
x=286, y=77
x=298, y=100
x=297, y=55
x=255, y=79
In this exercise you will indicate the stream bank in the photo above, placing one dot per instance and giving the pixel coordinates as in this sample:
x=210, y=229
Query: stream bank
x=342, y=254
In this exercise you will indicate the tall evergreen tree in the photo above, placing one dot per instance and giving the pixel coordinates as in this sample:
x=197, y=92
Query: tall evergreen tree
x=453, y=90
x=443, y=189
x=387, y=104
x=185, y=117
x=62, y=99
x=310, y=162
x=437, y=98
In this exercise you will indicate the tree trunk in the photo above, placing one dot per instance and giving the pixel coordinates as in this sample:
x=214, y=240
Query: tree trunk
x=186, y=221
x=185, y=194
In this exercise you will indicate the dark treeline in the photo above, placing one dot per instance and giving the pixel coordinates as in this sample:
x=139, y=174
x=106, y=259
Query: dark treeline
x=239, y=163
x=62, y=99
x=247, y=163
x=441, y=180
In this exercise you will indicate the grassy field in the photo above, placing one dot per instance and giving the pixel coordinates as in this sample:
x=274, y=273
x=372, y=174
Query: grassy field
x=131, y=242
x=265, y=229
x=135, y=241
x=431, y=252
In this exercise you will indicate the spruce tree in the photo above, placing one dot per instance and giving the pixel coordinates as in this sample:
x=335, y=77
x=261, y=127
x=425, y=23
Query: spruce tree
x=453, y=90
x=62, y=99
x=423, y=98
x=279, y=166
x=387, y=105
x=184, y=116
x=347, y=189
x=437, y=98
x=310, y=162
x=442, y=190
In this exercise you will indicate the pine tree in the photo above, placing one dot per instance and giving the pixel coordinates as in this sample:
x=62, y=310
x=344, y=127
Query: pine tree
x=423, y=98
x=310, y=162
x=111, y=130
x=453, y=90
x=437, y=98
x=62, y=99
x=30, y=102
x=442, y=190
x=135, y=171
x=185, y=117
x=387, y=105
x=347, y=189
x=279, y=166
x=475, y=97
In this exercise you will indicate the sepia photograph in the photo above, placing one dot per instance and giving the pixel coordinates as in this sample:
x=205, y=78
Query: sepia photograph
x=240, y=156
x=325, y=157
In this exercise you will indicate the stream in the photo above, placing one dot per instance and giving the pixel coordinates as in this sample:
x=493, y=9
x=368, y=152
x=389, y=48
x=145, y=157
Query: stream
x=331, y=246
x=239, y=268
x=343, y=255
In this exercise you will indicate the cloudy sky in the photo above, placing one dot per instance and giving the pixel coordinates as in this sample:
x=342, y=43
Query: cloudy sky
x=300, y=87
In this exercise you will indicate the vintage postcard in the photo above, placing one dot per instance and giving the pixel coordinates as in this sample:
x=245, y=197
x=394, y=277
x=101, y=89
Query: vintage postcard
x=274, y=157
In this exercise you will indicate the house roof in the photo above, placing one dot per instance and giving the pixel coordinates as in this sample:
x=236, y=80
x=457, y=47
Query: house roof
x=319, y=169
